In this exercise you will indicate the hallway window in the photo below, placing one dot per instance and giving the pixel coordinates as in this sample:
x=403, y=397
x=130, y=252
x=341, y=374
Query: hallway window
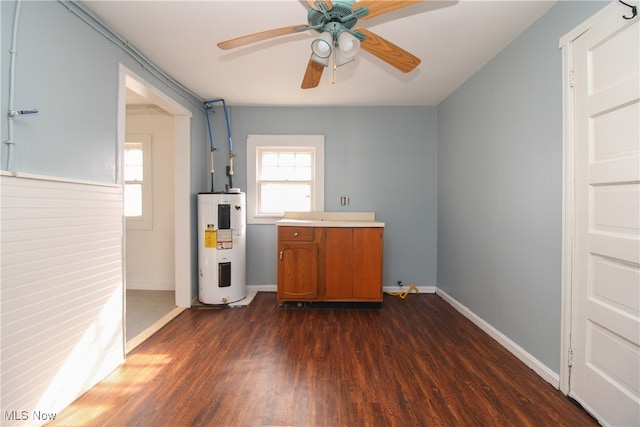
x=137, y=182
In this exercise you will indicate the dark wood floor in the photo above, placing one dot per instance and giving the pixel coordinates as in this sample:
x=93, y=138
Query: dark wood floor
x=414, y=362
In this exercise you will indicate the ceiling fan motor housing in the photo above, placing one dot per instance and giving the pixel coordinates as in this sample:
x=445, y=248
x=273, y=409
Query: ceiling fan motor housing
x=340, y=9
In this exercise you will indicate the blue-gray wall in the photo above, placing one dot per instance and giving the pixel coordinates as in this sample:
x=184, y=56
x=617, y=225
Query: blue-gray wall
x=383, y=158
x=500, y=187
x=70, y=73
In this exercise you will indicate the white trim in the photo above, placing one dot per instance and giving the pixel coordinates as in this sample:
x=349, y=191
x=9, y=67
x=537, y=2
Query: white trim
x=568, y=213
x=182, y=213
x=152, y=329
x=421, y=289
x=150, y=285
x=262, y=288
x=585, y=25
x=303, y=141
x=138, y=85
x=394, y=288
x=526, y=358
x=56, y=179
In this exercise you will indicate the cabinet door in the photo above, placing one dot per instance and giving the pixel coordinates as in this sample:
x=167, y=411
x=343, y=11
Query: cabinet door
x=367, y=263
x=353, y=264
x=338, y=264
x=297, y=271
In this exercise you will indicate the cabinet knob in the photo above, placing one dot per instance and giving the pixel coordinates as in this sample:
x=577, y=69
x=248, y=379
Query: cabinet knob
x=280, y=255
x=295, y=234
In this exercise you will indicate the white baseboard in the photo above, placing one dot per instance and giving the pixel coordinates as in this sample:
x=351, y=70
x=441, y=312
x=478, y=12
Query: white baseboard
x=149, y=285
x=421, y=289
x=526, y=358
x=263, y=288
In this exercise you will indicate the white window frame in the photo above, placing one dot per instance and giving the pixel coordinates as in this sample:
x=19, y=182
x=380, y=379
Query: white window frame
x=257, y=142
x=145, y=221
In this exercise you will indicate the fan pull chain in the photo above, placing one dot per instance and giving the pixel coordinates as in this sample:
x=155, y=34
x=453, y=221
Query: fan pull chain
x=333, y=71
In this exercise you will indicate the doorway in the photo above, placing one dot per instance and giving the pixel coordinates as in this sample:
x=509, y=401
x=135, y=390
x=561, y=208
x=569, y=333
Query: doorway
x=149, y=201
x=178, y=121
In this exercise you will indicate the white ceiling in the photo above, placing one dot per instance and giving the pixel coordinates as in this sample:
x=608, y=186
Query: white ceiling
x=453, y=39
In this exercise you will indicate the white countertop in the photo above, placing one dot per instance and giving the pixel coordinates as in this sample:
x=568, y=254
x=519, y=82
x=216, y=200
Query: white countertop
x=329, y=219
x=327, y=223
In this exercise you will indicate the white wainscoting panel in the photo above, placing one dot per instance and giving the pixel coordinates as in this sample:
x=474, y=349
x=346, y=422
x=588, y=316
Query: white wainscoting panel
x=61, y=292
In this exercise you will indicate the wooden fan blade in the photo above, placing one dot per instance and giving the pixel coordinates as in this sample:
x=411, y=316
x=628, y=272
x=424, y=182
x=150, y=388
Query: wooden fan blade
x=312, y=76
x=378, y=7
x=388, y=52
x=263, y=35
x=312, y=4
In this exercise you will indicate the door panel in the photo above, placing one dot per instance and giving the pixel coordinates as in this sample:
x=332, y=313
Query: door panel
x=339, y=263
x=605, y=334
x=298, y=273
x=367, y=274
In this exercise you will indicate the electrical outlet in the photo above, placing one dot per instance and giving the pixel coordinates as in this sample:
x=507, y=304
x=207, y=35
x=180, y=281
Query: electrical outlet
x=344, y=200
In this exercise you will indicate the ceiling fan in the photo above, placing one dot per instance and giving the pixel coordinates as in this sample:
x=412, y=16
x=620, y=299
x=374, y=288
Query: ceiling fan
x=335, y=21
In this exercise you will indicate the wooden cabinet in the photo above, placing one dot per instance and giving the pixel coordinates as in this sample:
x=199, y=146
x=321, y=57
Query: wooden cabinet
x=330, y=264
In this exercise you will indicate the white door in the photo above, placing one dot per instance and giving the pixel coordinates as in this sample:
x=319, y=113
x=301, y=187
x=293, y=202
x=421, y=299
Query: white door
x=605, y=323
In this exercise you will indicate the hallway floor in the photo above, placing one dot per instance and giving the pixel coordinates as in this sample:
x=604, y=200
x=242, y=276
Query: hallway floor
x=146, y=307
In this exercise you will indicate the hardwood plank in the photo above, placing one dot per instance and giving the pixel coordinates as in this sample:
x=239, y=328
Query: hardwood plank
x=415, y=361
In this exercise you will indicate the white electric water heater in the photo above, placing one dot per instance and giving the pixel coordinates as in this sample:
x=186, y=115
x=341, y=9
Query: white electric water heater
x=222, y=251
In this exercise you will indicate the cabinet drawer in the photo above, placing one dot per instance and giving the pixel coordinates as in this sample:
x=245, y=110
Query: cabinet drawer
x=300, y=234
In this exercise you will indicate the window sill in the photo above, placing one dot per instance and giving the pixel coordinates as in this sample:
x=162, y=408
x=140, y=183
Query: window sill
x=263, y=219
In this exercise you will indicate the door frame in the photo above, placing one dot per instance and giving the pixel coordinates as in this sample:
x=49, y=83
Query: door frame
x=568, y=190
x=182, y=170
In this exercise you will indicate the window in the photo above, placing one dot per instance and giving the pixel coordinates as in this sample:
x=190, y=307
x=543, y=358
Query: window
x=137, y=181
x=284, y=173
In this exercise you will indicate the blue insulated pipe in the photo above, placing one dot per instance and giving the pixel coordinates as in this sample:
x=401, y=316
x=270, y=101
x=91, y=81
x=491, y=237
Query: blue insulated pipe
x=226, y=116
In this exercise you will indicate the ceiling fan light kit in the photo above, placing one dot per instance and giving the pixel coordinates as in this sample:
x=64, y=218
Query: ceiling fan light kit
x=335, y=20
x=348, y=47
x=321, y=49
x=344, y=49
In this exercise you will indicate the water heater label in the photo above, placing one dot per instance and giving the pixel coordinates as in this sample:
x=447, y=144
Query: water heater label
x=225, y=239
x=210, y=237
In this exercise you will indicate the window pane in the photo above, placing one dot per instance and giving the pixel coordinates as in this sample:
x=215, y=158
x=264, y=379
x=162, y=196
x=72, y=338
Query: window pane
x=286, y=166
x=270, y=159
x=133, y=199
x=286, y=173
x=303, y=159
x=133, y=156
x=278, y=198
x=133, y=173
x=287, y=159
x=302, y=173
x=269, y=173
x=133, y=164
